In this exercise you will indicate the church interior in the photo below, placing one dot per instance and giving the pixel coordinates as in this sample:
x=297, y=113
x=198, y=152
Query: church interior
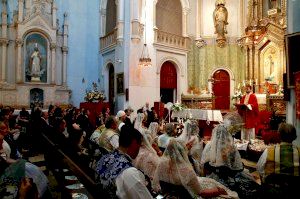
x=212, y=88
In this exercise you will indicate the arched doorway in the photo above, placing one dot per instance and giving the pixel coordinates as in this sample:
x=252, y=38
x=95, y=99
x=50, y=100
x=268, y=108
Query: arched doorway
x=111, y=86
x=168, y=82
x=221, y=89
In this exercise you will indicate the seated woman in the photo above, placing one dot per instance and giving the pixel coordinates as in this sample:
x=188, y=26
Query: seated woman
x=152, y=132
x=13, y=171
x=190, y=136
x=223, y=163
x=175, y=168
x=147, y=159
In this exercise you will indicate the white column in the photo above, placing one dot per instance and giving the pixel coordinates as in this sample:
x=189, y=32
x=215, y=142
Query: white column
x=65, y=49
x=120, y=19
x=53, y=62
x=21, y=10
x=3, y=42
x=135, y=20
x=54, y=9
x=27, y=7
x=64, y=68
x=184, y=22
x=154, y=14
x=242, y=17
x=19, y=78
x=198, y=19
x=103, y=22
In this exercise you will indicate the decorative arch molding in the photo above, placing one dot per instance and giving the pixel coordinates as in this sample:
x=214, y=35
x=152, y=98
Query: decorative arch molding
x=106, y=66
x=228, y=70
x=184, y=3
x=185, y=6
x=173, y=60
x=37, y=24
x=37, y=31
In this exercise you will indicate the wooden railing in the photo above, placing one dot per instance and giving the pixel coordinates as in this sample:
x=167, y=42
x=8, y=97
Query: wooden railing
x=170, y=39
x=57, y=157
x=109, y=40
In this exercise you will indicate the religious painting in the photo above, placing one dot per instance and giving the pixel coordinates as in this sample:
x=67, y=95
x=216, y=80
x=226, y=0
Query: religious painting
x=271, y=65
x=120, y=83
x=35, y=59
x=36, y=98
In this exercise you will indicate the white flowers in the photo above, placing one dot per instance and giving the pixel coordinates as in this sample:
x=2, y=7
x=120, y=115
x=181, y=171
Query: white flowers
x=237, y=95
x=177, y=107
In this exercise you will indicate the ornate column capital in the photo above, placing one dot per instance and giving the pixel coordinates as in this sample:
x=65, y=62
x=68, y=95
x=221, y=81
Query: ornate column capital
x=185, y=11
x=4, y=41
x=19, y=42
x=52, y=46
x=65, y=49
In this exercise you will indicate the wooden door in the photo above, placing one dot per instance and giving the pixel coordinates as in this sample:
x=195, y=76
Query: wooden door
x=168, y=82
x=111, y=87
x=221, y=89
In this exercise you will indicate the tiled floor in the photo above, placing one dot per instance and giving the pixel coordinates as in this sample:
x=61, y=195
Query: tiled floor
x=39, y=161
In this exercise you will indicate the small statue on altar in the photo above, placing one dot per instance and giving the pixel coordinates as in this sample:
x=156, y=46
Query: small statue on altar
x=272, y=4
x=220, y=17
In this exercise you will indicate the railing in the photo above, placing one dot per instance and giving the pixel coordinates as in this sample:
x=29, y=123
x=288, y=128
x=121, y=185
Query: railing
x=170, y=39
x=108, y=40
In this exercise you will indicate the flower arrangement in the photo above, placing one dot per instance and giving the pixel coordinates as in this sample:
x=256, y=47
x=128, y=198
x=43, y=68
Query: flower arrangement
x=237, y=95
x=94, y=95
x=177, y=107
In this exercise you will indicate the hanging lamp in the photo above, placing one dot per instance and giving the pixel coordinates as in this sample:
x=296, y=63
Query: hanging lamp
x=145, y=60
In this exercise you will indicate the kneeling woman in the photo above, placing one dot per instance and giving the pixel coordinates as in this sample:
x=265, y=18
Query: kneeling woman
x=175, y=168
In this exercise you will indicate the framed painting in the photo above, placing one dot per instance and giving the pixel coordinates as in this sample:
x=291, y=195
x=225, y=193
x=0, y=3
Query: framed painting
x=120, y=83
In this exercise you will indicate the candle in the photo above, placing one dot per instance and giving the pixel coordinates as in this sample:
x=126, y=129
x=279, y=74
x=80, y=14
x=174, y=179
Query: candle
x=250, y=81
x=256, y=82
x=239, y=86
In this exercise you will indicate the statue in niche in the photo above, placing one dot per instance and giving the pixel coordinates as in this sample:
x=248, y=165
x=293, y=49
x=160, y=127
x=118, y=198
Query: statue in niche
x=220, y=17
x=35, y=64
x=270, y=70
x=272, y=4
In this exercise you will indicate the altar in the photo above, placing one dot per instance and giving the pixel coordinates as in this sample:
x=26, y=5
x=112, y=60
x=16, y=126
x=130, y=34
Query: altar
x=199, y=114
x=207, y=119
x=95, y=109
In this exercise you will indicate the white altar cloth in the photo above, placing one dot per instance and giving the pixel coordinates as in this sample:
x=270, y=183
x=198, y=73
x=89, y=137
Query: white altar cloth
x=199, y=114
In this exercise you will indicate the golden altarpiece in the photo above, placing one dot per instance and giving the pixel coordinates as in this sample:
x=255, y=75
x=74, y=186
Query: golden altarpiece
x=265, y=49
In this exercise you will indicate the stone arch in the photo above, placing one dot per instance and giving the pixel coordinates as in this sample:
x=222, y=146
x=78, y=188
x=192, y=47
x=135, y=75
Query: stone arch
x=177, y=64
x=42, y=32
x=185, y=8
x=229, y=71
x=103, y=12
x=231, y=75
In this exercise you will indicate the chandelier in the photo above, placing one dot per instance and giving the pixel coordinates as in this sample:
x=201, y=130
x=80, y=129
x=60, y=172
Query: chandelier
x=145, y=60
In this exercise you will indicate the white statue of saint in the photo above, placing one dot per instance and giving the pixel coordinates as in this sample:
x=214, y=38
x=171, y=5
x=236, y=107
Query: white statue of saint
x=35, y=62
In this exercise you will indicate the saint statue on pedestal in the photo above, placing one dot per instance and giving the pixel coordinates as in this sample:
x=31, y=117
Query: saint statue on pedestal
x=220, y=16
x=35, y=62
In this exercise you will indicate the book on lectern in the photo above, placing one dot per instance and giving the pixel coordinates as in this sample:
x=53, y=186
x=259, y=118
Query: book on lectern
x=244, y=106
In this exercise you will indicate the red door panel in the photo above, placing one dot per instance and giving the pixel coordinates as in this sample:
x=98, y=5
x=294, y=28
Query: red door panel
x=221, y=89
x=168, y=76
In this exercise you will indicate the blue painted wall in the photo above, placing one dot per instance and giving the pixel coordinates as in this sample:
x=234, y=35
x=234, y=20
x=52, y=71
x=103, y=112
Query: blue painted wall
x=83, y=57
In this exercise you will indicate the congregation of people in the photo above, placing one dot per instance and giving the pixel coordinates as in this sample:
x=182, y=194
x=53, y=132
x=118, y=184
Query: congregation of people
x=142, y=156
